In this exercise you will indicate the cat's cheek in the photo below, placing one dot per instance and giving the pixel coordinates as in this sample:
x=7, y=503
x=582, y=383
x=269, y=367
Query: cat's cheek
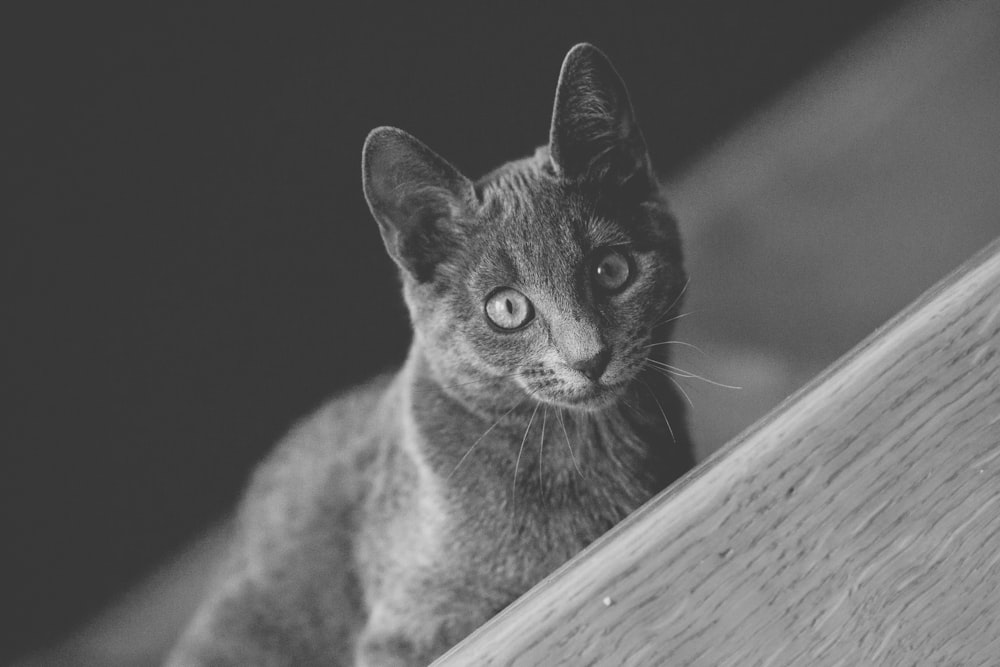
x=645, y=302
x=499, y=350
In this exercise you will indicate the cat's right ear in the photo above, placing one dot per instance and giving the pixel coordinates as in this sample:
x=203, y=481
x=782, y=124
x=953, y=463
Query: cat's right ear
x=594, y=133
x=417, y=197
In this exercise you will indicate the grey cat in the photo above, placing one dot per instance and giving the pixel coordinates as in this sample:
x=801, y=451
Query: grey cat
x=533, y=412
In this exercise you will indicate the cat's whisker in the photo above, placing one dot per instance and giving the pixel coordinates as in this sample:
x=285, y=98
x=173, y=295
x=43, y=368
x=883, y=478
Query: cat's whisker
x=630, y=406
x=670, y=375
x=479, y=439
x=662, y=412
x=675, y=342
x=541, y=444
x=569, y=446
x=679, y=296
x=513, y=488
x=673, y=319
x=680, y=372
x=673, y=377
x=667, y=371
x=666, y=312
x=621, y=413
x=681, y=389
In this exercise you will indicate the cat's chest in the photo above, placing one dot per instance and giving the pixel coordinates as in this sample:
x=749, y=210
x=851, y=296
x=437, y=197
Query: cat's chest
x=502, y=549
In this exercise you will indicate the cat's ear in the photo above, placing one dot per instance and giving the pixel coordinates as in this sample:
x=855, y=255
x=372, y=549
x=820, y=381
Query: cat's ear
x=417, y=197
x=594, y=134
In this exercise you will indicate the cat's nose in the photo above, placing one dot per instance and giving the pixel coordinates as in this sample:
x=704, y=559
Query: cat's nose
x=593, y=367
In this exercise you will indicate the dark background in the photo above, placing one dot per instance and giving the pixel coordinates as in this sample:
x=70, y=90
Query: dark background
x=189, y=264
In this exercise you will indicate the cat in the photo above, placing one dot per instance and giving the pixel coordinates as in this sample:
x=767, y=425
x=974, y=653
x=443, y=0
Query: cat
x=534, y=410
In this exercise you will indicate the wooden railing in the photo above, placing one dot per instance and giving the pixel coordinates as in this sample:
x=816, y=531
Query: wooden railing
x=857, y=524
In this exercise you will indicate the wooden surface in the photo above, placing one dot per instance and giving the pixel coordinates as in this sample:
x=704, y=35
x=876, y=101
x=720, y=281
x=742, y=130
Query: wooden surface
x=857, y=524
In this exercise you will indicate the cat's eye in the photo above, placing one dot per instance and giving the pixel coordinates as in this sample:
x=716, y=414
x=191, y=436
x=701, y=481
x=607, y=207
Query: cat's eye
x=508, y=309
x=611, y=270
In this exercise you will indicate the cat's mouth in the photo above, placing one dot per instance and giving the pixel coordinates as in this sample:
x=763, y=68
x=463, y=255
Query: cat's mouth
x=590, y=398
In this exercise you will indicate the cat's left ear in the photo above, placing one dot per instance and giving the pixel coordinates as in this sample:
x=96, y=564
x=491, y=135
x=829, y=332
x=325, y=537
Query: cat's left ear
x=417, y=197
x=594, y=134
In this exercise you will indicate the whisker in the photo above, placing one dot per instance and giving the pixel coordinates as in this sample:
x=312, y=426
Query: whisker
x=673, y=319
x=675, y=342
x=681, y=389
x=630, y=406
x=541, y=444
x=679, y=295
x=657, y=401
x=517, y=463
x=667, y=374
x=665, y=368
x=479, y=439
x=621, y=413
x=680, y=372
x=569, y=446
x=670, y=375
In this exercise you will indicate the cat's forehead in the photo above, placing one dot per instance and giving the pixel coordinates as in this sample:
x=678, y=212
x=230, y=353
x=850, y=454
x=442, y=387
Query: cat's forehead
x=523, y=202
x=535, y=230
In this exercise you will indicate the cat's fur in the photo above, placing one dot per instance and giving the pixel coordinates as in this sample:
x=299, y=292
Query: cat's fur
x=407, y=512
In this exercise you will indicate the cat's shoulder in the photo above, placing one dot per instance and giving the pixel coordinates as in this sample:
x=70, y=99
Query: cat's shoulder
x=290, y=548
x=342, y=423
x=324, y=455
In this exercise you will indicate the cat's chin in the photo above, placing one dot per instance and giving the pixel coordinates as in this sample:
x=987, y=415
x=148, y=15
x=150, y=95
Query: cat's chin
x=592, y=399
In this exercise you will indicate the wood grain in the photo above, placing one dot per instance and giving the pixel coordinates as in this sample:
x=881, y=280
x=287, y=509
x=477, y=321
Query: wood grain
x=857, y=524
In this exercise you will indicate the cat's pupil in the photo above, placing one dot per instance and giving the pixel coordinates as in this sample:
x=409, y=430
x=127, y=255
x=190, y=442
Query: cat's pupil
x=510, y=306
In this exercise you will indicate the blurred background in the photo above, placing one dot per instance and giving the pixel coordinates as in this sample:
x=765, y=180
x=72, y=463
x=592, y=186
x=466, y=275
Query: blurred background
x=189, y=265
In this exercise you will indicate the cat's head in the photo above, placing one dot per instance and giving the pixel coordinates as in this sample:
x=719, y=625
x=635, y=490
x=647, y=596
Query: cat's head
x=548, y=277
